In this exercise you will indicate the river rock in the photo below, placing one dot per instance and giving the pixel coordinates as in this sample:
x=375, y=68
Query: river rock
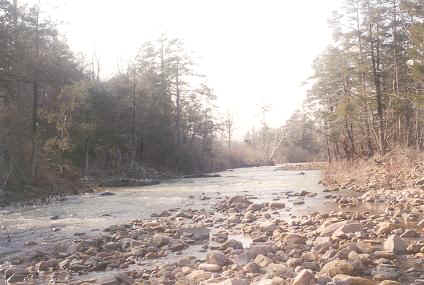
x=111, y=246
x=337, y=266
x=216, y=257
x=268, y=226
x=293, y=239
x=266, y=281
x=18, y=275
x=249, y=217
x=123, y=279
x=410, y=234
x=239, y=202
x=262, y=260
x=234, y=282
x=210, y=267
x=107, y=280
x=234, y=218
x=346, y=229
x=258, y=248
x=162, y=214
x=328, y=228
x=177, y=245
x=277, y=205
x=235, y=244
x=186, y=261
x=160, y=240
x=385, y=228
x=395, y=244
x=197, y=276
x=255, y=207
x=183, y=214
x=197, y=233
x=220, y=237
x=342, y=279
x=305, y=277
x=294, y=262
x=252, y=268
x=46, y=265
x=386, y=272
x=279, y=270
x=365, y=247
x=322, y=244
x=107, y=194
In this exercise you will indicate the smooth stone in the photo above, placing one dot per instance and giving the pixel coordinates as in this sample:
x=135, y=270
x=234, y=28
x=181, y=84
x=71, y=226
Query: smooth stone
x=305, y=277
x=342, y=279
x=336, y=267
x=395, y=244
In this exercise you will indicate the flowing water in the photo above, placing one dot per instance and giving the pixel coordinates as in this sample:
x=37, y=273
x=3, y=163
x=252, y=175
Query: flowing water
x=91, y=213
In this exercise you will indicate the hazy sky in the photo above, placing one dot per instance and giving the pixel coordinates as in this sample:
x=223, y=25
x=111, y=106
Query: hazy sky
x=253, y=52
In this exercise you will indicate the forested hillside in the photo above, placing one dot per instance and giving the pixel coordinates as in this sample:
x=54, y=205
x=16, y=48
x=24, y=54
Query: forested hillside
x=60, y=120
x=366, y=95
x=367, y=91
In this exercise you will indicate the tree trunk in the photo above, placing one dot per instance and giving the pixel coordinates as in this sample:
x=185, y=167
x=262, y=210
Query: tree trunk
x=133, y=119
x=86, y=156
x=362, y=75
x=417, y=132
x=34, y=154
x=178, y=121
x=375, y=57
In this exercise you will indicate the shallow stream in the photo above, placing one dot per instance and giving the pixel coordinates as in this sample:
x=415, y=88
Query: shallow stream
x=91, y=213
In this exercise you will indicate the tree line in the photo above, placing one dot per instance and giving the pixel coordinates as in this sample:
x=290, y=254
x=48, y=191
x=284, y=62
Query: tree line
x=60, y=120
x=366, y=94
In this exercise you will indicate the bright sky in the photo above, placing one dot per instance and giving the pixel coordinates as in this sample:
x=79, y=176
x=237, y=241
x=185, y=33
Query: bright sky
x=253, y=52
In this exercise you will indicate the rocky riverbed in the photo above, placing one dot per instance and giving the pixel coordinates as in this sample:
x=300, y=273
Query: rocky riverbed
x=374, y=237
